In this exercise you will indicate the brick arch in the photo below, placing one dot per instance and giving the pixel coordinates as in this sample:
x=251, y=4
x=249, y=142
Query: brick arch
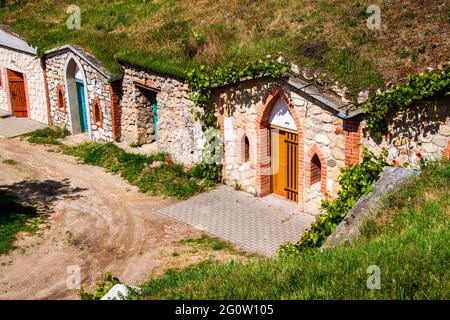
x=97, y=115
x=263, y=163
x=60, y=98
x=240, y=147
x=315, y=150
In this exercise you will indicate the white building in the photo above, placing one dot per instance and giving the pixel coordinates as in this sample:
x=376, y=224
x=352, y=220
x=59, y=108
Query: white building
x=22, y=85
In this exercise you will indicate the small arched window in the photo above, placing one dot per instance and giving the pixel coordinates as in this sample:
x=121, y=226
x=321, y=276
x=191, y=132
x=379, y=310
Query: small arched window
x=97, y=113
x=60, y=99
x=316, y=169
x=246, y=149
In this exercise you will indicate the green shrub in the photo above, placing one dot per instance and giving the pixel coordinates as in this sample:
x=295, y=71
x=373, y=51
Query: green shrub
x=211, y=174
x=355, y=181
x=47, y=135
x=101, y=288
x=169, y=179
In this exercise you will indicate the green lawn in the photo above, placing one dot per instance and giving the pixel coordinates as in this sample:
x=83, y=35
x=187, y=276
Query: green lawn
x=172, y=36
x=408, y=239
x=14, y=218
x=166, y=178
x=47, y=135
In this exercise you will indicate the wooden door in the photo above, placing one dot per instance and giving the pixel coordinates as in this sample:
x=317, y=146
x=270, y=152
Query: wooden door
x=291, y=145
x=17, y=93
x=284, y=146
x=82, y=106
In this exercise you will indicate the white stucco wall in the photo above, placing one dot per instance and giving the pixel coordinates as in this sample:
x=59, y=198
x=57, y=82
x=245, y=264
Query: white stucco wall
x=31, y=67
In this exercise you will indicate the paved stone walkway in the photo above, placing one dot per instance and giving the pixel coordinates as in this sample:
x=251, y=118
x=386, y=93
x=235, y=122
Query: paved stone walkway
x=256, y=224
x=13, y=127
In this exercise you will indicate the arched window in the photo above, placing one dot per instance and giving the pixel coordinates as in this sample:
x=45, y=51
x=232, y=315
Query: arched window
x=316, y=169
x=60, y=99
x=246, y=149
x=97, y=113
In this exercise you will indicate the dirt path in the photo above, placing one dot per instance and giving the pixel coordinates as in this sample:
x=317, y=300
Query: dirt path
x=96, y=221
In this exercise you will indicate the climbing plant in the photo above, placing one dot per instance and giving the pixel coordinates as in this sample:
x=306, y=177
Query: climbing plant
x=417, y=87
x=202, y=80
x=355, y=181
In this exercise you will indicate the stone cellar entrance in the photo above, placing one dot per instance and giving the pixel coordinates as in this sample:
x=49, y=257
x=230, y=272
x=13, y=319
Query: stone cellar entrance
x=284, y=181
x=76, y=90
x=18, y=94
x=279, y=167
x=147, y=114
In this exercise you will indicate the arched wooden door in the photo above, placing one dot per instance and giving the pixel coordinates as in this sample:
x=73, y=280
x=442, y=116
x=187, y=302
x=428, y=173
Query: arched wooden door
x=17, y=94
x=284, y=151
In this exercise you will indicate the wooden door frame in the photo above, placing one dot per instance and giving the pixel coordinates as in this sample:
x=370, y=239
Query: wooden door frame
x=8, y=91
x=262, y=131
x=284, y=130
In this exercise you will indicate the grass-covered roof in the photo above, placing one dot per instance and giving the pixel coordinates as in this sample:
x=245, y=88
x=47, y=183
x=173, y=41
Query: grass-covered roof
x=173, y=36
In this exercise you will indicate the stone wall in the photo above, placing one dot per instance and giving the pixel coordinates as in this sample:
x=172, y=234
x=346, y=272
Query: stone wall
x=177, y=131
x=97, y=87
x=350, y=227
x=321, y=129
x=423, y=129
x=31, y=67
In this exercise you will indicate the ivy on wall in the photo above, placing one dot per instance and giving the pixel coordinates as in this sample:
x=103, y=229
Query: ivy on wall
x=417, y=87
x=355, y=181
x=202, y=80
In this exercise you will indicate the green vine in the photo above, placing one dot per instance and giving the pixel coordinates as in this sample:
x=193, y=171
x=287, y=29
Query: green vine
x=202, y=80
x=355, y=181
x=417, y=87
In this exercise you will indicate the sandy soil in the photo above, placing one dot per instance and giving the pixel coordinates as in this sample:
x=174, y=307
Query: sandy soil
x=95, y=220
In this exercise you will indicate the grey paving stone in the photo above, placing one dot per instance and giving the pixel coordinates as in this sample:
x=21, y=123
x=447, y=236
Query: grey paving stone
x=256, y=224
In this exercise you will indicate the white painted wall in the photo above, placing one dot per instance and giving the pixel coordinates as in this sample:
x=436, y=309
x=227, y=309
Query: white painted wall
x=31, y=67
x=281, y=117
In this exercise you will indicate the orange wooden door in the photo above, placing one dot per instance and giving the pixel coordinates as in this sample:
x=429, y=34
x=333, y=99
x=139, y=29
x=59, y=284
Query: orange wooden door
x=17, y=92
x=284, y=146
x=278, y=162
x=291, y=145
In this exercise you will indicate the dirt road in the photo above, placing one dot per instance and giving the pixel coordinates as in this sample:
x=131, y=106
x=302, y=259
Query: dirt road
x=96, y=221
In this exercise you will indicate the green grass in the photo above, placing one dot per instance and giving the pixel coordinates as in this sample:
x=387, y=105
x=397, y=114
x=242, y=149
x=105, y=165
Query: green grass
x=14, y=218
x=47, y=135
x=135, y=144
x=409, y=239
x=172, y=36
x=165, y=179
x=208, y=242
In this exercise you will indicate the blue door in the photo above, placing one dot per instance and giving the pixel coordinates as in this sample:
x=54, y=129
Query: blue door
x=82, y=106
x=155, y=113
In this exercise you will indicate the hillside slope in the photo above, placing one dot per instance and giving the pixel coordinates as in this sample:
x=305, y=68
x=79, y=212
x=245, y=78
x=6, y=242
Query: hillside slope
x=409, y=240
x=172, y=36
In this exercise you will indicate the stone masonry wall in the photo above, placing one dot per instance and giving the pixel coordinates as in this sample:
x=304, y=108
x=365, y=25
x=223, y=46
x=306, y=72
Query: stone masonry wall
x=97, y=86
x=178, y=132
x=31, y=67
x=422, y=129
x=322, y=131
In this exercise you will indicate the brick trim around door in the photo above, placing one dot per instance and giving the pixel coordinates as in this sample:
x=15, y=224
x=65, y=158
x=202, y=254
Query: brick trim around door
x=263, y=162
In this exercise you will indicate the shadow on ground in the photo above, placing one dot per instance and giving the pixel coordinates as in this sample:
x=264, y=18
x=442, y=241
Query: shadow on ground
x=43, y=194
